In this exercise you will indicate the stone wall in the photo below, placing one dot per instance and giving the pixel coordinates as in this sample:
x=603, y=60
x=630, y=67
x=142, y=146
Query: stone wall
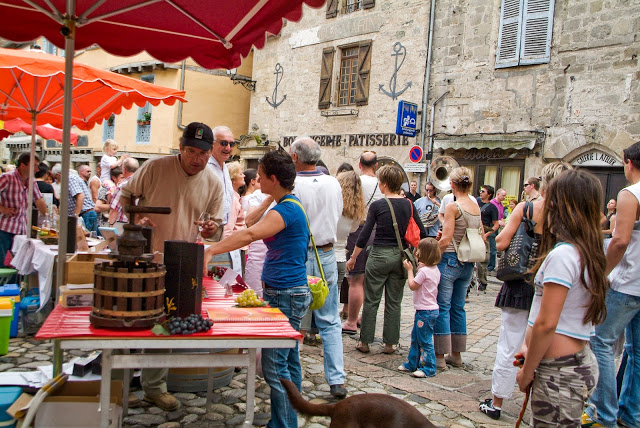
x=298, y=49
x=587, y=94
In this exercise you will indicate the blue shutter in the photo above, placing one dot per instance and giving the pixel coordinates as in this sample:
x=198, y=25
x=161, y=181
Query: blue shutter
x=537, y=29
x=508, y=52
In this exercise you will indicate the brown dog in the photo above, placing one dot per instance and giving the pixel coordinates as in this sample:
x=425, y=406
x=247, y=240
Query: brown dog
x=361, y=411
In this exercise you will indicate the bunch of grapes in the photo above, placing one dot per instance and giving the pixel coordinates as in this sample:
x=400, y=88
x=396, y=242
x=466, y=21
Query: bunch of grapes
x=249, y=298
x=191, y=324
x=217, y=271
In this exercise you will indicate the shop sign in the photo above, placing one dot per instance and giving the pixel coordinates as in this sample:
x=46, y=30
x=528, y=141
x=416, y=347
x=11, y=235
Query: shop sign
x=362, y=140
x=596, y=158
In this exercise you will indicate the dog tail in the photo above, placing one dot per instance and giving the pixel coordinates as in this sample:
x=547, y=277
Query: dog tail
x=302, y=405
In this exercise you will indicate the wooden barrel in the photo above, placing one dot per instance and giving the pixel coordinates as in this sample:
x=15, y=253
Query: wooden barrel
x=195, y=379
x=128, y=295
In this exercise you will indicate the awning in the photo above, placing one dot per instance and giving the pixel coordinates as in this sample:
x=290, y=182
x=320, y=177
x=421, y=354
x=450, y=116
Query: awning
x=488, y=141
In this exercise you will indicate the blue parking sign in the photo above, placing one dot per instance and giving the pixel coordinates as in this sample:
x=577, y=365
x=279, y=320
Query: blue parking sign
x=407, y=118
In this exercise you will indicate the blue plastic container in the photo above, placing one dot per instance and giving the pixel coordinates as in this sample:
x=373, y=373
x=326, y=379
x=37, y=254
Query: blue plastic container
x=12, y=291
x=8, y=396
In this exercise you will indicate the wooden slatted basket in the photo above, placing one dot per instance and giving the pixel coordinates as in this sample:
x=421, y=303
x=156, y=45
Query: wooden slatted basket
x=128, y=295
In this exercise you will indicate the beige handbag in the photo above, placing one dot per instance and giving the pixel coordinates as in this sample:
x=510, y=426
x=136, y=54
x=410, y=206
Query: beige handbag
x=472, y=247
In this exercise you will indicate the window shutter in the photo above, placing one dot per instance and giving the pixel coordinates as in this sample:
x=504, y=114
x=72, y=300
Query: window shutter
x=508, y=52
x=326, y=70
x=364, y=68
x=368, y=4
x=538, y=25
x=332, y=8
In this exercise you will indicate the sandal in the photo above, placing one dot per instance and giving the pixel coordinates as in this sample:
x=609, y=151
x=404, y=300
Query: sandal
x=455, y=362
x=363, y=347
x=389, y=349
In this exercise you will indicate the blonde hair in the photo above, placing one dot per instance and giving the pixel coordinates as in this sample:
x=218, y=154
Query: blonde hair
x=551, y=170
x=428, y=252
x=352, y=198
x=461, y=176
x=110, y=143
x=234, y=170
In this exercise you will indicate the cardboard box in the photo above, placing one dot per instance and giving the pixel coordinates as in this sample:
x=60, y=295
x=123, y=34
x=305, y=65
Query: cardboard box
x=79, y=269
x=76, y=298
x=75, y=404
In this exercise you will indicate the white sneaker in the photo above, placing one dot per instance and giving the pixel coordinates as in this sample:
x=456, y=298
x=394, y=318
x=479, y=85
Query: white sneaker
x=402, y=368
x=418, y=373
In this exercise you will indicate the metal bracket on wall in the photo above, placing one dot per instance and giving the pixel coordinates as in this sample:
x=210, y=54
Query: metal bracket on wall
x=248, y=84
x=331, y=113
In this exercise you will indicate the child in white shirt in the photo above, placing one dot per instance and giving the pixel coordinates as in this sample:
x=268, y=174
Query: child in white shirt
x=109, y=159
x=570, y=289
x=422, y=358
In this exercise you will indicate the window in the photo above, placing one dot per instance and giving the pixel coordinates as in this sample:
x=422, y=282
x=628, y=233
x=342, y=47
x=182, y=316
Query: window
x=347, y=6
x=353, y=76
x=143, y=130
x=50, y=48
x=348, y=76
x=525, y=32
x=108, y=129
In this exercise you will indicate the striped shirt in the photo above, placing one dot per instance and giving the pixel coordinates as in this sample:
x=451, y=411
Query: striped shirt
x=76, y=186
x=14, y=194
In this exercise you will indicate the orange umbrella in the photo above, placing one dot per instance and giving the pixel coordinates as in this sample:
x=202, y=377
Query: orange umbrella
x=34, y=85
x=32, y=82
x=47, y=131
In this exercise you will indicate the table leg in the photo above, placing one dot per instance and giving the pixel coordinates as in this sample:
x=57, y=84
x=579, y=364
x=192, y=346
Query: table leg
x=251, y=388
x=57, y=357
x=105, y=388
x=209, y=404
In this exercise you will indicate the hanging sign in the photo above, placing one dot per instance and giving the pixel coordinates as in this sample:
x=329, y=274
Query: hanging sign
x=407, y=118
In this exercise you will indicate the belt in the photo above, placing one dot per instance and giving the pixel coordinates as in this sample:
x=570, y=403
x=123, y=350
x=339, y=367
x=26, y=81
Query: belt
x=325, y=247
x=86, y=211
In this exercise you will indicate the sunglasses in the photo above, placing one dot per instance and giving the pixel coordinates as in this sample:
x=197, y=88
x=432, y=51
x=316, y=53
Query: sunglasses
x=483, y=191
x=526, y=184
x=224, y=143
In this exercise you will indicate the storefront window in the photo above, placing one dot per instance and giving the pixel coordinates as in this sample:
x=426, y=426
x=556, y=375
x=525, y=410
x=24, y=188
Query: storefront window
x=490, y=175
x=511, y=178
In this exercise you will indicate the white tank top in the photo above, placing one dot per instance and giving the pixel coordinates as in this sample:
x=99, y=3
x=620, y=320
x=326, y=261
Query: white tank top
x=625, y=277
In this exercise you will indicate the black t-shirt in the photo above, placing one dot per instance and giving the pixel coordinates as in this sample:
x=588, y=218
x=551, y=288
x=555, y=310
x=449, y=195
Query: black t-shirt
x=47, y=188
x=412, y=198
x=488, y=212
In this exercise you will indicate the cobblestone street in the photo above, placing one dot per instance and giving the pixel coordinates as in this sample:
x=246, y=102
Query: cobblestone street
x=449, y=399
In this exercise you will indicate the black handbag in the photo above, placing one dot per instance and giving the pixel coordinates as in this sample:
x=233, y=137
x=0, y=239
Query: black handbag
x=514, y=263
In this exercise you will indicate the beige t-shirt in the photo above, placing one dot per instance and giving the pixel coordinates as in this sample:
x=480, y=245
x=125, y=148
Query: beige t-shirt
x=162, y=182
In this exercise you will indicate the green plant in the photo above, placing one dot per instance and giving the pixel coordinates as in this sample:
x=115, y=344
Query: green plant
x=111, y=119
x=146, y=115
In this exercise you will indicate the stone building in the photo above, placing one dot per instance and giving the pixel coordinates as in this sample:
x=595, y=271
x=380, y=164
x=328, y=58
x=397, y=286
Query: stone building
x=518, y=83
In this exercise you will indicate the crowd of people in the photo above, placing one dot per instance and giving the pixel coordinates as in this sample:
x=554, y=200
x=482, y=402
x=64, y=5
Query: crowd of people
x=561, y=319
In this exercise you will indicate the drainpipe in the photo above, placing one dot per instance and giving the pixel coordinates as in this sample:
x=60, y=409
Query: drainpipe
x=181, y=105
x=425, y=90
x=433, y=118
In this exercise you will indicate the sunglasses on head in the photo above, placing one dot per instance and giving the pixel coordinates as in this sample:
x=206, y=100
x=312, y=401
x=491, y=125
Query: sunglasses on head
x=225, y=143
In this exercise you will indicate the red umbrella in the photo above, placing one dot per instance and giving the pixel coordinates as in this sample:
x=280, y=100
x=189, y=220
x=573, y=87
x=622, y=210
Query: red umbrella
x=47, y=131
x=31, y=88
x=31, y=81
x=216, y=34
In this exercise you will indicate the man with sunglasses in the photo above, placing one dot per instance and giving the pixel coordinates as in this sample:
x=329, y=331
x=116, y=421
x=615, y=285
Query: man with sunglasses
x=532, y=189
x=223, y=144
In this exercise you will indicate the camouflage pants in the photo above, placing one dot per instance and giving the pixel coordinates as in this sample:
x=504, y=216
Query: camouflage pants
x=561, y=387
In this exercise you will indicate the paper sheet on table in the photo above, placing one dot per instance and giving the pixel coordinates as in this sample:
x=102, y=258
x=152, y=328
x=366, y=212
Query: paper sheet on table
x=233, y=281
x=39, y=377
x=79, y=286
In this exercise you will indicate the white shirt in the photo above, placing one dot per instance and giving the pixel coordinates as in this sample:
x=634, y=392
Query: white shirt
x=105, y=164
x=449, y=198
x=370, y=187
x=222, y=172
x=562, y=266
x=625, y=277
x=321, y=197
